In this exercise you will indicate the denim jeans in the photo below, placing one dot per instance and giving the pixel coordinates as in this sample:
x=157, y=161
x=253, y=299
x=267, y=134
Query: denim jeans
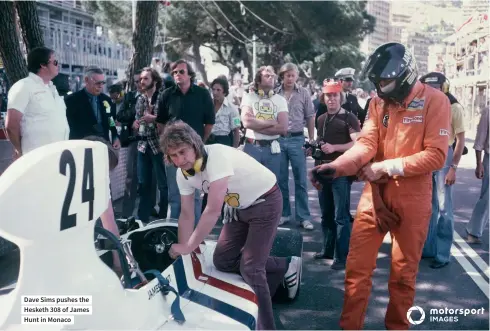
x=264, y=156
x=440, y=235
x=149, y=163
x=174, y=195
x=292, y=151
x=479, y=217
x=336, y=218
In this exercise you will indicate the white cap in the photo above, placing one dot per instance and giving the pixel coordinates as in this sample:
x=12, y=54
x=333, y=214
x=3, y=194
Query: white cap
x=345, y=73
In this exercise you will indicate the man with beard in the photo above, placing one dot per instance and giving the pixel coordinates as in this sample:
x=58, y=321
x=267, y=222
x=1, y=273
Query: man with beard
x=150, y=157
x=265, y=116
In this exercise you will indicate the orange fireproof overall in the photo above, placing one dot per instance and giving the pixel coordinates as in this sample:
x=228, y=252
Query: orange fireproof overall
x=411, y=139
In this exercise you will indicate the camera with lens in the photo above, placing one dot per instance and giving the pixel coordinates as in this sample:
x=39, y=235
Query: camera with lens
x=316, y=149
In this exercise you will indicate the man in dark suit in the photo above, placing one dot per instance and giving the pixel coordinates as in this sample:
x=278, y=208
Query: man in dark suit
x=91, y=112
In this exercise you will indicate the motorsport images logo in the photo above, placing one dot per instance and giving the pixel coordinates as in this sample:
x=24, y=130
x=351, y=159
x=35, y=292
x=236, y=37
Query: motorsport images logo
x=413, y=320
x=416, y=315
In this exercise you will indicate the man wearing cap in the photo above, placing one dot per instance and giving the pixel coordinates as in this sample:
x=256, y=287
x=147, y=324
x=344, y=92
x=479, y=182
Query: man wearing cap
x=337, y=131
x=346, y=77
x=440, y=237
x=404, y=139
x=301, y=114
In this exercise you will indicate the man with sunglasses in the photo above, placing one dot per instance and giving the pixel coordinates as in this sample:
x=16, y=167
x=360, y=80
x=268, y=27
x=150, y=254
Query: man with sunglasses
x=36, y=114
x=91, y=112
x=193, y=105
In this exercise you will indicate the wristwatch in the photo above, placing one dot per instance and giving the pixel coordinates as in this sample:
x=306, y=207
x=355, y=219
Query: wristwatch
x=454, y=166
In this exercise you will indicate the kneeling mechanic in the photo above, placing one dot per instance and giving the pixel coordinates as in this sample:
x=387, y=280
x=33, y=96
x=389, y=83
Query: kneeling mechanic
x=253, y=210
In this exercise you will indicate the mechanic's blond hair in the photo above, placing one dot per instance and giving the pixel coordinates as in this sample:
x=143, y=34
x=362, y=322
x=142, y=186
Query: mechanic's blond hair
x=178, y=133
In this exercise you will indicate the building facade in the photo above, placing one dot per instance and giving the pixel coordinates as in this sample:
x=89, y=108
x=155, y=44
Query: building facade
x=72, y=32
x=381, y=11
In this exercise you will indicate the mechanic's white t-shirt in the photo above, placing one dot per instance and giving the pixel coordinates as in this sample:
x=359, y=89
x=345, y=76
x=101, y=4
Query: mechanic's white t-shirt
x=248, y=179
x=264, y=109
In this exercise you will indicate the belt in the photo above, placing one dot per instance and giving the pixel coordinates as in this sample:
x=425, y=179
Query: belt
x=260, y=142
x=293, y=134
x=272, y=190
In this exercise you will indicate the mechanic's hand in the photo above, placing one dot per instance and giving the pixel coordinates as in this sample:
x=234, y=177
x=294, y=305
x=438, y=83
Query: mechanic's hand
x=479, y=171
x=328, y=148
x=372, y=172
x=178, y=249
x=450, y=177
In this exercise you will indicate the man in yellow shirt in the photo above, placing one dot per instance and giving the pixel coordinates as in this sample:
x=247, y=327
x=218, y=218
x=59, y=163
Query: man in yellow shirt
x=440, y=235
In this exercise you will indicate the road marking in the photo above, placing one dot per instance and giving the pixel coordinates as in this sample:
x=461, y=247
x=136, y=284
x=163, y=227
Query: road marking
x=470, y=270
x=472, y=254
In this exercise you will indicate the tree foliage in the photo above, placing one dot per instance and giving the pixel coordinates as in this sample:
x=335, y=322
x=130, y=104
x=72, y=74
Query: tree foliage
x=13, y=59
x=319, y=36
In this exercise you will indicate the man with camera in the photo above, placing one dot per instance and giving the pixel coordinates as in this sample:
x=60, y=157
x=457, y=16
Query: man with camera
x=337, y=131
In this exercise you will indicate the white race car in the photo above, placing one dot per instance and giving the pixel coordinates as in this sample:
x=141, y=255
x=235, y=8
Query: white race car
x=50, y=199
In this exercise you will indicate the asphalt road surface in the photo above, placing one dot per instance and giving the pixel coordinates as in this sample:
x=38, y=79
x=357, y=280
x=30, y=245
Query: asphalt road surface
x=461, y=284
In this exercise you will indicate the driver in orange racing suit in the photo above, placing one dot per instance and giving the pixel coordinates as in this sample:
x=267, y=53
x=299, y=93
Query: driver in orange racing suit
x=403, y=141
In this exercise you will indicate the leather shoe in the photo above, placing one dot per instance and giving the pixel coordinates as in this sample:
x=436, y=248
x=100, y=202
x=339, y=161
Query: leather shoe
x=322, y=256
x=438, y=265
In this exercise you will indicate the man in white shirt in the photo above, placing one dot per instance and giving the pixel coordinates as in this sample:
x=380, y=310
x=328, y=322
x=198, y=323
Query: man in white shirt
x=265, y=116
x=36, y=114
x=249, y=189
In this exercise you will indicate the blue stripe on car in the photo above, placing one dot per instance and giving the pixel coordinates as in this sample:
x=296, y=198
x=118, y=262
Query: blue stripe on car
x=205, y=300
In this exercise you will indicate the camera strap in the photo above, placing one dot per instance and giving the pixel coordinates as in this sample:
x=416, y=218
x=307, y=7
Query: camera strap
x=328, y=121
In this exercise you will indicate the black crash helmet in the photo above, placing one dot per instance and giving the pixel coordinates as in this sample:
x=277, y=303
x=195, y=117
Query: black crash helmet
x=391, y=61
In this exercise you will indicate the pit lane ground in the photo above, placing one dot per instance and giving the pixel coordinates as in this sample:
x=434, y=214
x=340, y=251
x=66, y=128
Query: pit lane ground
x=461, y=284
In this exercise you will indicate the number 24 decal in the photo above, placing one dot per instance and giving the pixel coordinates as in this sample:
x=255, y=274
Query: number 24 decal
x=68, y=161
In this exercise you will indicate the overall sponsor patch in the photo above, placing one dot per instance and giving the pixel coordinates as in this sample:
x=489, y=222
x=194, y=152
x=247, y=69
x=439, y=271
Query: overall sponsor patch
x=385, y=120
x=416, y=104
x=443, y=132
x=414, y=119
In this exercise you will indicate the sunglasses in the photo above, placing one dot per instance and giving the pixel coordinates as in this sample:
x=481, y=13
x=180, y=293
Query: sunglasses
x=181, y=71
x=55, y=62
x=98, y=83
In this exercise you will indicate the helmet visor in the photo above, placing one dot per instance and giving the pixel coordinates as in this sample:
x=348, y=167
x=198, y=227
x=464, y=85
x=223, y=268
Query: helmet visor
x=385, y=65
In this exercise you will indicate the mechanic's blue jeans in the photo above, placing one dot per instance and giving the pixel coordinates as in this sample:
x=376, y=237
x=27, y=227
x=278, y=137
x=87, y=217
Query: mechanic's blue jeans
x=292, y=151
x=336, y=218
x=265, y=157
x=174, y=195
x=479, y=217
x=149, y=163
x=440, y=235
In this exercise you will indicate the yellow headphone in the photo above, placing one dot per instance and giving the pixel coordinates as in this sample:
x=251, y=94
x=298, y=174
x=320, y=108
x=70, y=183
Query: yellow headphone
x=445, y=86
x=198, y=166
x=261, y=93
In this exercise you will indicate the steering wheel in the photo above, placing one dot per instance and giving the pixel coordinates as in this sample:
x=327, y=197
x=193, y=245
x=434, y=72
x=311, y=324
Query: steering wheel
x=156, y=244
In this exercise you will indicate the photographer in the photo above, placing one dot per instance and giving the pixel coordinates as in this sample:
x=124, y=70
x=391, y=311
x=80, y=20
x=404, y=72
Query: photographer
x=337, y=130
